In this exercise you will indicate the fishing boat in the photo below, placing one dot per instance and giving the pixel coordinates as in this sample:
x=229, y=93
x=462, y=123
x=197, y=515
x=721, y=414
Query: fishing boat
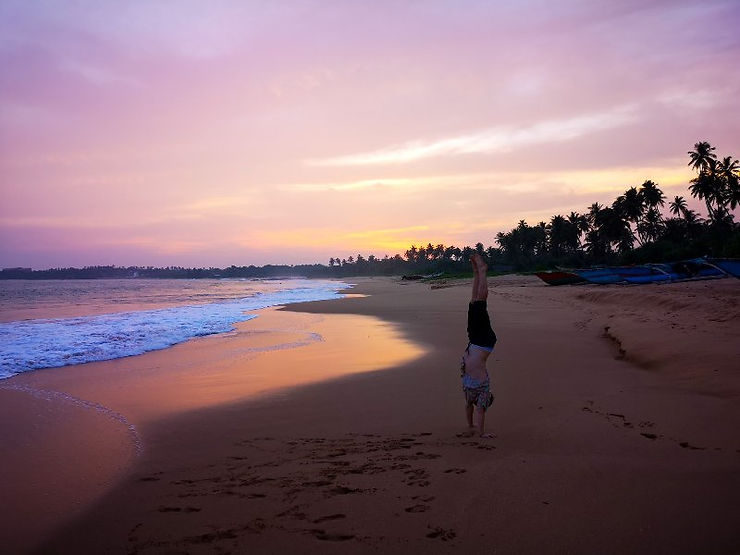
x=730, y=266
x=560, y=278
x=613, y=274
x=685, y=270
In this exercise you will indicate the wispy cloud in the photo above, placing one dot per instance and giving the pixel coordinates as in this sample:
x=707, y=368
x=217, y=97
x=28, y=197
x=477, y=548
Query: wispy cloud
x=700, y=99
x=494, y=139
x=100, y=76
x=608, y=179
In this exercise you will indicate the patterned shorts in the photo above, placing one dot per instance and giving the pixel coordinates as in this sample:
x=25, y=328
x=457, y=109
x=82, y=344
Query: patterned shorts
x=481, y=397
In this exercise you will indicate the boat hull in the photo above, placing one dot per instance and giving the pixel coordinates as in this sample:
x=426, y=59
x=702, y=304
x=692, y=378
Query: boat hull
x=559, y=278
x=728, y=265
x=613, y=274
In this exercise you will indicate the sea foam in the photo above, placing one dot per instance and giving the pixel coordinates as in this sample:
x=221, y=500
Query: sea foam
x=48, y=343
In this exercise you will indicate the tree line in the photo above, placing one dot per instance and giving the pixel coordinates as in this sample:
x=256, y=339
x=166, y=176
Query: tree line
x=635, y=228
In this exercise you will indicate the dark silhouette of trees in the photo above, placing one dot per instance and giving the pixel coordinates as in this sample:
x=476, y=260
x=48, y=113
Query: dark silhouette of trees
x=634, y=228
x=701, y=156
x=678, y=206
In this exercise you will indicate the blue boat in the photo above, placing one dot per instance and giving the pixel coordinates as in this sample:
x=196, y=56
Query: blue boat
x=730, y=266
x=613, y=274
x=685, y=270
x=657, y=277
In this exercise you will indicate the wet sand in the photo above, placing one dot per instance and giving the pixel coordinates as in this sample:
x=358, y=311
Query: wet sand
x=616, y=417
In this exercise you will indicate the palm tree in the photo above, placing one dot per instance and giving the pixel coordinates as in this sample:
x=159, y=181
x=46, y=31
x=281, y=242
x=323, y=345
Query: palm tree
x=651, y=225
x=580, y=225
x=631, y=205
x=541, y=238
x=652, y=196
x=678, y=206
x=609, y=229
x=593, y=212
x=708, y=187
x=701, y=156
x=728, y=171
x=692, y=218
x=559, y=235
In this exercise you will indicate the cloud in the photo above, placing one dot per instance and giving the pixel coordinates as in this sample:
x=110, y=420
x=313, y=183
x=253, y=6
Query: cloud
x=98, y=75
x=702, y=99
x=495, y=139
x=608, y=179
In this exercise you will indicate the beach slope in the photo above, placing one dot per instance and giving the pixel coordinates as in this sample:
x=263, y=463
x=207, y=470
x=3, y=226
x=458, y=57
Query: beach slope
x=616, y=417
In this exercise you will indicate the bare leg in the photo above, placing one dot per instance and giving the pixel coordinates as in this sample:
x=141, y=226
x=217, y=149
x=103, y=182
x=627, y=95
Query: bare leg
x=480, y=423
x=480, y=280
x=470, y=432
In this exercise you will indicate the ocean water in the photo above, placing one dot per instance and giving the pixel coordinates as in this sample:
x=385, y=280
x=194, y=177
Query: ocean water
x=54, y=323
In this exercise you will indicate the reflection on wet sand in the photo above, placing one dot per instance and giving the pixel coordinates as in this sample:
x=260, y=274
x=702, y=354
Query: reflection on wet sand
x=262, y=357
x=277, y=350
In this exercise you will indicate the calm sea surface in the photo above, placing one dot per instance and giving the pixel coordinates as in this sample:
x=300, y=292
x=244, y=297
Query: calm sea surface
x=52, y=323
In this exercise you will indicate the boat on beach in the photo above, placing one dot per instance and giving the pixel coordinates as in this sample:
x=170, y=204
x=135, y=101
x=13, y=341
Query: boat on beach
x=613, y=274
x=730, y=266
x=560, y=278
x=684, y=270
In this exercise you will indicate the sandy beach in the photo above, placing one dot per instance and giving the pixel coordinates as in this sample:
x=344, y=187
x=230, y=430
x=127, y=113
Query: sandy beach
x=334, y=426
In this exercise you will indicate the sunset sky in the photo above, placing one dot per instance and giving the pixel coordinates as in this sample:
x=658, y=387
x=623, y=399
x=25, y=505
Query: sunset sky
x=251, y=132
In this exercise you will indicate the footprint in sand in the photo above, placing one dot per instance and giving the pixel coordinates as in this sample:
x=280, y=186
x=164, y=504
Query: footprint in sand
x=323, y=536
x=329, y=517
x=417, y=508
x=455, y=471
x=215, y=536
x=442, y=534
x=417, y=477
x=343, y=490
x=179, y=509
x=687, y=445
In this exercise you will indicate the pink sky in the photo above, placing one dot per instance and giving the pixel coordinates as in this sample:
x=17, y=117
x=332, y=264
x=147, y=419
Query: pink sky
x=216, y=133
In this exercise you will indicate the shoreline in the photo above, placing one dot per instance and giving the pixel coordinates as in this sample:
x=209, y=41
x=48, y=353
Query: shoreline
x=380, y=448
x=124, y=398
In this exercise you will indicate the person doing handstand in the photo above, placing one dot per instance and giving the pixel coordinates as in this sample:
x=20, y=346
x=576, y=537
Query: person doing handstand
x=475, y=380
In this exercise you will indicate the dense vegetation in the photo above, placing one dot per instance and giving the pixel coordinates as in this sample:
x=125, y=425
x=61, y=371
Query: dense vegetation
x=633, y=229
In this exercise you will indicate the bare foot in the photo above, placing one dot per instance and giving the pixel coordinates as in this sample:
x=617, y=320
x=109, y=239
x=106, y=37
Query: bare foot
x=467, y=433
x=487, y=436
